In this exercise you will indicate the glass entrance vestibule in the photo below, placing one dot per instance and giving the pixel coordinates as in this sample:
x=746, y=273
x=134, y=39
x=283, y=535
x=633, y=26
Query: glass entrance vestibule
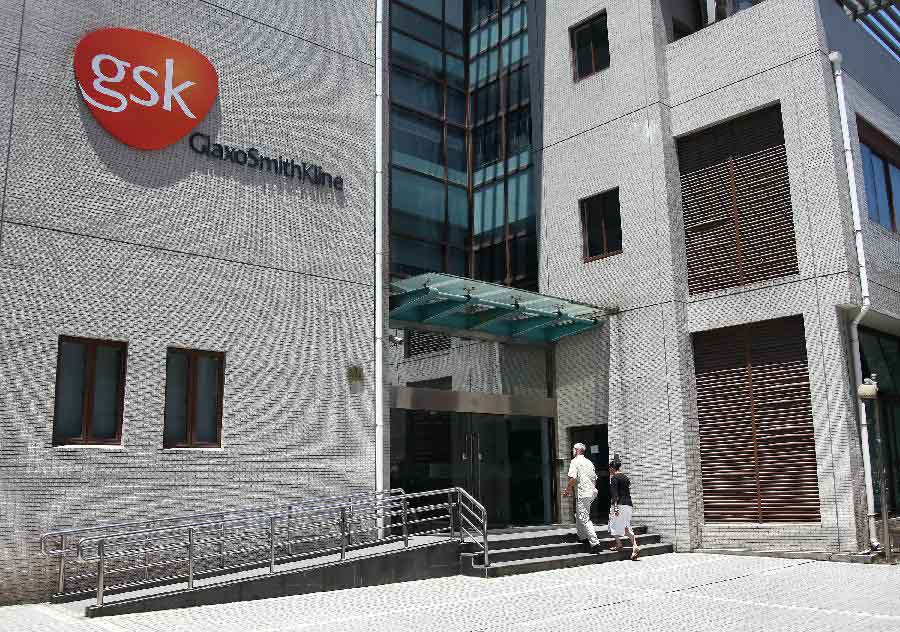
x=505, y=461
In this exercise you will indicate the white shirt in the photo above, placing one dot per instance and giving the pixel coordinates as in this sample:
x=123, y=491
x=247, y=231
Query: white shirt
x=582, y=470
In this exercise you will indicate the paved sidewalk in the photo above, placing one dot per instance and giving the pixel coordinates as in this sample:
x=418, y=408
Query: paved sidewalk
x=688, y=592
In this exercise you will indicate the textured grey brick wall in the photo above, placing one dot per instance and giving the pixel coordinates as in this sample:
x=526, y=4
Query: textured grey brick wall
x=167, y=248
x=616, y=129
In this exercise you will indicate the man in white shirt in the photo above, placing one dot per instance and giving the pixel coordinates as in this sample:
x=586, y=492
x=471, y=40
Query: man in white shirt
x=583, y=480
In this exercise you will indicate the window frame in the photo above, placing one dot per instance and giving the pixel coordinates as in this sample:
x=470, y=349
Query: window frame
x=190, y=444
x=573, y=48
x=87, y=407
x=586, y=257
x=889, y=153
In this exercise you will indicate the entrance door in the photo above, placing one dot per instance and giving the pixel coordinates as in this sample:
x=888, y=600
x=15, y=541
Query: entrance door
x=596, y=439
x=503, y=461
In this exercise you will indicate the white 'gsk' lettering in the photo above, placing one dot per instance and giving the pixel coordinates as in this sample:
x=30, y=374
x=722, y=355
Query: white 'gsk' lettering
x=170, y=92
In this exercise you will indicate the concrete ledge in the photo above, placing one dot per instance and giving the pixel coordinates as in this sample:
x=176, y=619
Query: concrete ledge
x=819, y=556
x=422, y=562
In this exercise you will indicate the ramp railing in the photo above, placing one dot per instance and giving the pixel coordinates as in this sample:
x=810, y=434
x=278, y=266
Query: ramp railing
x=184, y=549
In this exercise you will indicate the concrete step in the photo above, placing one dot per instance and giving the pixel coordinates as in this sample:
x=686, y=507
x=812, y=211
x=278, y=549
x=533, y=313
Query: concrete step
x=532, y=565
x=555, y=549
x=549, y=535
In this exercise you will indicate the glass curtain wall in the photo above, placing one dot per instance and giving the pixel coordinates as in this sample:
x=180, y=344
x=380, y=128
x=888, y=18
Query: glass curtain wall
x=461, y=193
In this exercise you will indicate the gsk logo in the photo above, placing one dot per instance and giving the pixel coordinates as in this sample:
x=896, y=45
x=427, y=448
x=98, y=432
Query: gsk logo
x=147, y=90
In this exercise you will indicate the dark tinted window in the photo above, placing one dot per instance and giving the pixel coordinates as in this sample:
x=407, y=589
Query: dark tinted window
x=416, y=92
x=416, y=24
x=417, y=143
x=590, y=46
x=194, y=390
x=601, y=225
x=90, y=391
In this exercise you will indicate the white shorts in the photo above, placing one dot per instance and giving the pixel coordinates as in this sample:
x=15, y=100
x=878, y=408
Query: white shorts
x=618, y=524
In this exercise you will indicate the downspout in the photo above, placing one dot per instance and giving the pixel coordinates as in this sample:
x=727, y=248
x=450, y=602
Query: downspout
x=836, y=58
x=379, y=254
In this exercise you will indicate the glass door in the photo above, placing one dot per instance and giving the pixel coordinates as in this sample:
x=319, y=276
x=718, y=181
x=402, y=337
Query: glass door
x=503, y=461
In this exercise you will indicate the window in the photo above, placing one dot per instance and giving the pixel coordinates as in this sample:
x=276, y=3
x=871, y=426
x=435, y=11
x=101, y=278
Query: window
x=195, y=381
x=754, y=412
x=601, y=225
x=736, y=201
x=90, y=391
x=590, y=47
x=881, y=171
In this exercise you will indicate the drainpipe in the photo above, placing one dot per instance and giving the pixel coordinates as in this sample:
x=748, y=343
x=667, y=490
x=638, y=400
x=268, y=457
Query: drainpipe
x=835, y=57
x=379, y=255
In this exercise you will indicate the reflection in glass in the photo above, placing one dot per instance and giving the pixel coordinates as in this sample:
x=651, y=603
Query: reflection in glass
x=70, y=379
x=107, y=374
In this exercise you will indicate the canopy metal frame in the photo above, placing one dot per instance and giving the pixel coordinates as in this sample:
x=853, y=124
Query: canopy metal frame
x=468, y=308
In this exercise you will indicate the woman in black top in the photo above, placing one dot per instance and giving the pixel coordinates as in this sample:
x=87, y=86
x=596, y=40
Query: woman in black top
x=620, y=509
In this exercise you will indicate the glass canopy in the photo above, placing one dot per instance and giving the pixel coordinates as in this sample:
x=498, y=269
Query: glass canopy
x=477, y=309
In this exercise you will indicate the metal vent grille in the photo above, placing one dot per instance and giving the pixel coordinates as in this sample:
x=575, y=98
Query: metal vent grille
x=757, y=446
x=736, y=200
x=422, y=342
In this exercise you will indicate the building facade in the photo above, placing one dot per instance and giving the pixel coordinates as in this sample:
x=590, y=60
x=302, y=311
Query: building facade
x=178, y=330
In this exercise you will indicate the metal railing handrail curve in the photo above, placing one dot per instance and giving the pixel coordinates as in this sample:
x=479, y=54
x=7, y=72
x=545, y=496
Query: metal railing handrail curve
x=331, y=524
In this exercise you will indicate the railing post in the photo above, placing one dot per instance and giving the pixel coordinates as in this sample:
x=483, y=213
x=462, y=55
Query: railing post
x=487, y=561
x=222, y=545
x=343, y=532
x=191, y=558
x=450, y=511
x=272, y=544
x=61, y=580
x=405, y=526
x=101, y=562
x=350, y=526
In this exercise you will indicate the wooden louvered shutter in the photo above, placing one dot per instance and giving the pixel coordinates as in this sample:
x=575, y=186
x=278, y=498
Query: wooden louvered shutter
x=757, y=446
x=736, y=201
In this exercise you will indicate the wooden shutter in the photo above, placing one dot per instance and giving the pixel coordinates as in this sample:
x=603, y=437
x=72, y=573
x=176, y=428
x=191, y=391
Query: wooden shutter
x=736, y=201
x=757, y=446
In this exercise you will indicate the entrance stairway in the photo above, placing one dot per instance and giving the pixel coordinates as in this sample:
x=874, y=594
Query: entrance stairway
x=546, y=548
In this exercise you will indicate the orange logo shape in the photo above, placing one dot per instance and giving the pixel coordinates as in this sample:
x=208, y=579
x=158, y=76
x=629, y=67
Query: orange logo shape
x=147, y=90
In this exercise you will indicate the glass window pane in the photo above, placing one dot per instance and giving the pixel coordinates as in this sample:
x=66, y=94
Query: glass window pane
x=457, y=262
x=416, y=92
x=484, y=38
x=175, y=430
x=518, y=132
x=876, y=187
x=458, y=216
x=488, y=210
x=486, y=101
x=519, y=87
x=456, y=155
x=454, y=42
x=456, y=107
x=417, y=205
x=600, y=44
x=613, y=221
x=521, y=212
x=70, y=375
x=415, y=24
x=415, y=257
x=409, y=52
x=456, y=72
x=206, y=399
x=483, y=68
x=454, y=13
x=431, y=7
x=593, y=217
x=486, y=143
x=107, y=374
x=895, y=190
x=583, y=59
x=515, y=50
x=416, y=142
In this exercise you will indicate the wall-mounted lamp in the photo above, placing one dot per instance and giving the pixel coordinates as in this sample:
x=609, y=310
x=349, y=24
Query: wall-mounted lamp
x=356, y=380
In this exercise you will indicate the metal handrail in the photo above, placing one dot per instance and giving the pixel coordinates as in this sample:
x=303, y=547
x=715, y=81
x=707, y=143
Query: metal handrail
x=262, y=537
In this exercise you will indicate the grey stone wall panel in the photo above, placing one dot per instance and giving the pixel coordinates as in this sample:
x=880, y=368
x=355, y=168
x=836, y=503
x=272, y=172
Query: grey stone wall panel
x=291, y=429
x=277, y=93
